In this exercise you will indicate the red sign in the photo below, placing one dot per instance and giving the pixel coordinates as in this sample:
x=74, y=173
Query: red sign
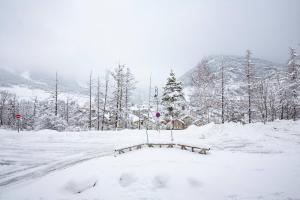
x=18, y=116
x=157, y=114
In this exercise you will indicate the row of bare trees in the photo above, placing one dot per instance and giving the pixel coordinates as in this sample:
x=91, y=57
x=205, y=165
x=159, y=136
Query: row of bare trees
x=115, y=93
x=107, y=107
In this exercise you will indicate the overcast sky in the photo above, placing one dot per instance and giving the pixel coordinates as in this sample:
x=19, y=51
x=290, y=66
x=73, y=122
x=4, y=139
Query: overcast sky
x=151, y=36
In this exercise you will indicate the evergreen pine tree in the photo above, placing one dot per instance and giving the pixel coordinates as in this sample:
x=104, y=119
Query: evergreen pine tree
x=173, y=100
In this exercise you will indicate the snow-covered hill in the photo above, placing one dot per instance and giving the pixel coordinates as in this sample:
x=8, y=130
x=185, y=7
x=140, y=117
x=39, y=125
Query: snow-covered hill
x=253, y=161
x=234, y=68
x=30, y=84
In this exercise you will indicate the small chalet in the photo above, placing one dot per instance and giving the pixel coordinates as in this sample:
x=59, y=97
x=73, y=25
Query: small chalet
x=178, y=124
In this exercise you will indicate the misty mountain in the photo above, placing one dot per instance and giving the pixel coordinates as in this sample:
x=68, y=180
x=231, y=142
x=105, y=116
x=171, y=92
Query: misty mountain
x=33, y=79
x=234, y=69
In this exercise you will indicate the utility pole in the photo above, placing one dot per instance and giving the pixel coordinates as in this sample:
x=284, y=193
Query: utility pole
x=157, y=102
x=172, y=119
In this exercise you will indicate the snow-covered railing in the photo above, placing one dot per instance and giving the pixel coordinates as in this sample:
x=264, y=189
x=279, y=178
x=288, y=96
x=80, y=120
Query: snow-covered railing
x=161, y=145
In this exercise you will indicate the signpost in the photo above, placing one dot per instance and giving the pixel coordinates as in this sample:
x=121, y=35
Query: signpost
x=18, y=117
x=157, y=114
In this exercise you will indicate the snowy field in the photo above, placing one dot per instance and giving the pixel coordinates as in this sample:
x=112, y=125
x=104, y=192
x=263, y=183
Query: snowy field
x=245, y=162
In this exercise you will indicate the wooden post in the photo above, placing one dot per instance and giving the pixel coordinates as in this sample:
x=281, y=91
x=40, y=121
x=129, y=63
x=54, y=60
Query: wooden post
x=18, y=125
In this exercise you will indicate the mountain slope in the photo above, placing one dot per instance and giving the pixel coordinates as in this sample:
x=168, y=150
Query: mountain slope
x=36, y=80
x=234, y=68
x=36, y=83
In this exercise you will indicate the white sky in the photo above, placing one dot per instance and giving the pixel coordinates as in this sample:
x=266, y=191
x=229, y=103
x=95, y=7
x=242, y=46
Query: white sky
x=150, y=36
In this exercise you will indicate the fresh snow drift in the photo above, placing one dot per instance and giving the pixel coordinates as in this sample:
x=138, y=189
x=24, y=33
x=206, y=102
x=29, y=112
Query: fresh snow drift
x=253, y=161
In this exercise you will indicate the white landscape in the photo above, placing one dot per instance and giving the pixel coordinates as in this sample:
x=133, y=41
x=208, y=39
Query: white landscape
x=149, y=100
x=253, y=161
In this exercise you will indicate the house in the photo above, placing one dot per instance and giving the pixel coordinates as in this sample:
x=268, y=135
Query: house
x=136, y=122
x=178, y=124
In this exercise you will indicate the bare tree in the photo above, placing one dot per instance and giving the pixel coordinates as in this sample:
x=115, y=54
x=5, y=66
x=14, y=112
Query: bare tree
x=98, y=104
x=34, y=111
x=203, y=96
x=262, y=99
x=4, y=97
x=129, y=86
x=90, y=102
x=293, y=83
x=222, y=90
x=118, y=77
x=249, y=82
x=56, y=94
x=123, y=85
x=67, y=111
x=139, y=113
x=105, y=100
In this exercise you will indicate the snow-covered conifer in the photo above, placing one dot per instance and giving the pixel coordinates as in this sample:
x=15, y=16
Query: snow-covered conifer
x=173, y=100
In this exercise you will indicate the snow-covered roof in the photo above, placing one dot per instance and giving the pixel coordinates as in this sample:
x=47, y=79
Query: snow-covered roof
x=179, y=120
x=187, y=116
x=133, y=118
x=139, y=107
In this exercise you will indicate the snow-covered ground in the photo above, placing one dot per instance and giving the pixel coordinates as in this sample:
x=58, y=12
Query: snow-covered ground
x=245, y=162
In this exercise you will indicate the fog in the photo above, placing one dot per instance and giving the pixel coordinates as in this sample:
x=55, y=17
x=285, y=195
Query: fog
x=150, y=37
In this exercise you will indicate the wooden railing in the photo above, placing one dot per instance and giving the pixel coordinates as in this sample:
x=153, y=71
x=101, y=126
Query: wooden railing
x=161, y=145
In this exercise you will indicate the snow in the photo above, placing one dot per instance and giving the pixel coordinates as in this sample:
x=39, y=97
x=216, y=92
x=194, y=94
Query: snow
x=133, y=118
x=254, y=161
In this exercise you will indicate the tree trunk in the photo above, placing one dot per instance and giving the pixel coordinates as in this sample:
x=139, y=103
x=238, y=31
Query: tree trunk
x=67, y=111
x=98, y=104
x=249, y=85
x=104, y=105
x=56, y=94
x=90, y=106
x=222, y=88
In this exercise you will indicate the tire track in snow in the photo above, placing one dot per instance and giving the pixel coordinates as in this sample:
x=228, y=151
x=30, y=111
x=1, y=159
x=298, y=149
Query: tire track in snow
x=50, y=168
